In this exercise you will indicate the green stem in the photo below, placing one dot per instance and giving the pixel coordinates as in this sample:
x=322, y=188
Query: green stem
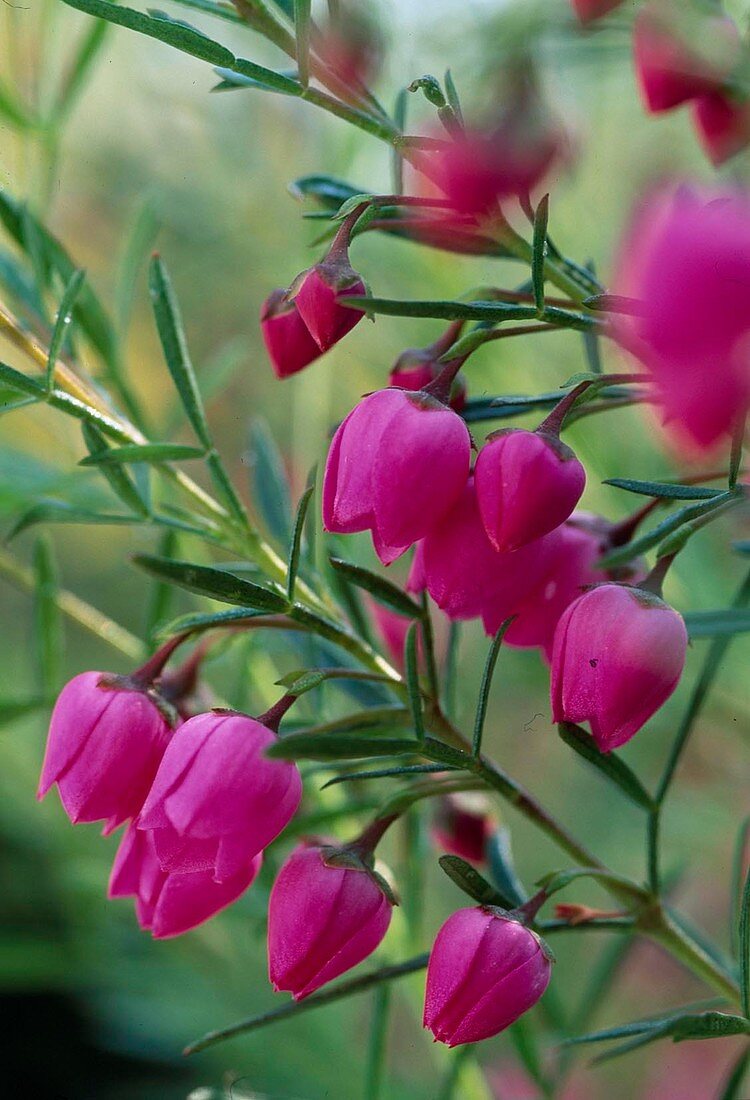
x=659, y=926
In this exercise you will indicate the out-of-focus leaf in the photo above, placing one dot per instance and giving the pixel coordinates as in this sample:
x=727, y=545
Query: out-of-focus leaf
x=269, y=483
x=743, y=937
x=384, y=591
x=215, y=583
x=731, y=1090
x=12, y=709
x=412, y=681
x=173, y=33
x=484, y=689
x=296, y=542
x=48, y=620
x=324, y=746
x=302, y=32
x=118, y=479
x=709, y=624
x=739, y=858
x=502, y=867
x=539, y=250
x=58, y=511
x=63, y=321
x=143, y=452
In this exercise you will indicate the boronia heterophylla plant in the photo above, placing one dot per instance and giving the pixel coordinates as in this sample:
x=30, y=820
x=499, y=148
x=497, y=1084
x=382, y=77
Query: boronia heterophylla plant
x=493, y=532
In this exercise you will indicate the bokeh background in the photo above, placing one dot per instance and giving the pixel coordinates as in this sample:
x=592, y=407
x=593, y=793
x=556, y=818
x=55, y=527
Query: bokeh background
x=148, y=157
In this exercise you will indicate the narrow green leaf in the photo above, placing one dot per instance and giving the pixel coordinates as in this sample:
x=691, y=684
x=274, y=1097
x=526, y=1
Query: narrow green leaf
x=58, y=511
x=215, y=583
x=738, y=441
x=302, y=34
x=48, y=619
x=268, y=482
x=743, y=936
x=143, y=452
x=78, y=71
x=386, y=773
x=21, y=382
x=12, y=709
x=711, y=624
x=731, y=1090
x=247, y=74
x=397, y=160
x=174, y=345
x=502, y=867
x=161, y=595
x=323, y=746
x=412, y=681
x=296, y=543
x=539, y=251
x=384, y=591
x=664, y=490
x=468, y=879
x=15, y=112
x=609, y=765
x=212, y=620
x=558, y=880
x=739, y=858
x=118, y=479
x=667, y=527
x=452, y=96
x=484, y=689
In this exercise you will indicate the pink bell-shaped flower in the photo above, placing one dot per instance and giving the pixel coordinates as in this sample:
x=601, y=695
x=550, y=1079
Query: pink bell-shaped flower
x=618, y=655
x=396, y=465
x=686, y=261
x=416, y=368
x=327, y=912
x=217, y=800
x=527, y=484
x=589, y=10
x=107, y=737
x=680, y=54
x=463, y=825
x=485, y=971
x=723, y=125
x=288, y=341
x=170, y=904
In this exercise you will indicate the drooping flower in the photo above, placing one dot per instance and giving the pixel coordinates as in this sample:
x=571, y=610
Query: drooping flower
x=106, y=741
x=323, y=919
x=485, y=971
x=286, y=336
x=416, y=368
x=686, y=262
x=588, y=10
x=723, y=125
x=170, y=904
x=463, y=825
x=217, y=800
x=618, y=655
x=395, y=467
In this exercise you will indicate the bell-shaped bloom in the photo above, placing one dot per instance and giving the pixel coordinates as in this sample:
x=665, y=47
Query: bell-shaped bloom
x=352, y=46
x=104, y=747
x=463, y=825
x=288, y=341
x=415, y=368
x=686, y=260
x=484, y=972
x=317, y=295
x=527, y=484
x=217, y=800
x=170, y=904
x=723, y=125
x=681, y=53
x=322, y=920
x=618, y=655
x=589, y=10
x=463, y=572
x=396, y=466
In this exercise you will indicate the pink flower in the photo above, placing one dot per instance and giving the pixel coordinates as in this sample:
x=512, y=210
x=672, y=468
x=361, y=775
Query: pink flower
x=463, y=825
x=723, y=125
x=103, y=749
x=396, y=466
x=217, y=800
x=527, y=484
x=415, y=368
x=680, y=55
x=393, y=629
x=588, y=10
x=170, y=904
x=322, y=920
x=686, y=259
x=618, y=655
x=316, y=296
x=288, y=342
x=484, y=972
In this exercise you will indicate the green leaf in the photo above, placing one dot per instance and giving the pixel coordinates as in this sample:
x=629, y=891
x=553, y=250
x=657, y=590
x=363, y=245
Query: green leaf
x=731, y=1090
x=539, y=251
x=667, y=527
x=174, y=345
x=143, y=452
x=302, y=33
x=397, y=160
x=743, y=936
x=484, y=690
x=21, y=382
x=452, y=97
x=386, y=773
x=215, y=583
x=296, y=543
x=609, y=765
x=57, y=511
x=323, y=746
x=412, y=681
x=468, y=879
x=664, y=489
x=48, y=619
x=173, y=33
x=63, y=321
x=78, y=71
x=735, y=894
x=199, y=622
x=558, y=880
x=269, y=483
x=502, y=867
x=384, y=591
x=15, y=112
x=118, y=479
x=711, y=624
x=430, y=86
x=12, y=709
x=247, y=74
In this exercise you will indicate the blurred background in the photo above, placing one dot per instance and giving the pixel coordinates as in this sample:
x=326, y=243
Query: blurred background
x=147, y=157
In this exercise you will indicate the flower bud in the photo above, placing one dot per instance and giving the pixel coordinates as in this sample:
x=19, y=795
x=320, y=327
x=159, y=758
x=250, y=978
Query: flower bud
x=485, y=971
x=316, y=295
x=396, y=465
x=463, y=825
x=617, y=656
x=527, y=484
x=681, y=54
x=323, y=919
x=723, y=125
x=288, y=342
x=588, y=10
x=170, y=904
x=217, y=800
x=104, y=746
x=415, y=368
x=352, y=45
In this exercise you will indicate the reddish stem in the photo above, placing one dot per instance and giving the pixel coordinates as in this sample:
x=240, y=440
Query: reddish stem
x=272, y=717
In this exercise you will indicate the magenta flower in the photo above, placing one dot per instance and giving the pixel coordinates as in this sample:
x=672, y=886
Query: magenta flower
x=316, y=296
x=618, y=655
x=527, y=484
x=588, y=10
x=686, y=259
x=288, y=342
x=322, y=920
x=723, y=125
x=681, y=55
x=170, y=904
x=103, y=749
x=396, y=465
x=416, y=368
x=217, y=800
x=462, y=826
x=484, y=972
